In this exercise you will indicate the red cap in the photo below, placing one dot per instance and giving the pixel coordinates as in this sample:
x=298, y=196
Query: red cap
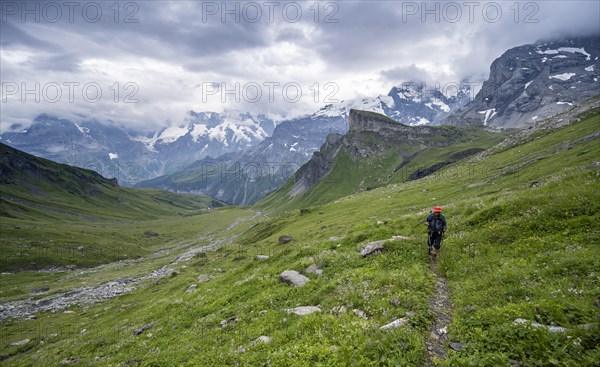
x=437, y=209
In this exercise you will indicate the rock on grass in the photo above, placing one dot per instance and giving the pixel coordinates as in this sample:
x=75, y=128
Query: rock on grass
x=303, y=310
x=293, y=278
x=372, y=248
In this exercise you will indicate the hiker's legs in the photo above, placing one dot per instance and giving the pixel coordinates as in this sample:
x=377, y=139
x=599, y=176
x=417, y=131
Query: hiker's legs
x=429, y=241
x=437, y=240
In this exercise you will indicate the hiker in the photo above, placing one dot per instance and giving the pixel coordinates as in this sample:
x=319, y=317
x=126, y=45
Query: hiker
x=436, y=228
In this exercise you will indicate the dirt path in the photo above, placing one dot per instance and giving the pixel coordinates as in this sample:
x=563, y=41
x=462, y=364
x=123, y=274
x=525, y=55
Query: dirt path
x=442, y=307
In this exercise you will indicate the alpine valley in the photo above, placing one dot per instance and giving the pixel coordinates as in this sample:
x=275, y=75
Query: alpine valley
x=239, y=158
x=325, y=263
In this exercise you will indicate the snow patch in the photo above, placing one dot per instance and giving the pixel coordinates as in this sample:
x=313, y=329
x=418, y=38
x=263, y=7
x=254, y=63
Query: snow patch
x=148, y=142
x=421, y=121
x=534, y=118
x=343, y=108
x=563, y=77
x=580, y=50
x=489, y=114
x=567, y=103
x=573, y=50
x=590, y=68
x=560, y=57
x=547, y=52
x=198, y=131
x=113, y=156
x=438, y=102
x=82, y=130
x=172, y=133
x=528, y=83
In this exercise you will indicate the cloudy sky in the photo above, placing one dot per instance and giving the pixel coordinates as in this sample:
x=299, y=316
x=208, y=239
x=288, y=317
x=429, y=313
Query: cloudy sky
x=146, y=63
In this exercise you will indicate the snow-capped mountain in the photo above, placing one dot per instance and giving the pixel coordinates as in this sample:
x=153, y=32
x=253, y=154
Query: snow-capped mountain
x=533, y=82
x=245, y=178
x=409, y=103
x=114, y=151
x=237, y=129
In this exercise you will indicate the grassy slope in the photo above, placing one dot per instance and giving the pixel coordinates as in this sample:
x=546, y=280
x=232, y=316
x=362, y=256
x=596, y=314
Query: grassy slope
x=48, y=210
x=349, y=175
x=522, y=234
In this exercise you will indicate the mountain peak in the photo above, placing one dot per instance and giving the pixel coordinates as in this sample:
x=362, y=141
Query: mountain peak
x=532, y=82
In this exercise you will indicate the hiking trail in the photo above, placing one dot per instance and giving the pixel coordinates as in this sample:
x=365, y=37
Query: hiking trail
x=442, y=307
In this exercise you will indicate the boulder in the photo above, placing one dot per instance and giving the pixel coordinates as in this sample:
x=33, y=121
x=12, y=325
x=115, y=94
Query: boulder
x=19, y=343
x=303, y=310
x=338, y=310
x=262, y=339
x=456, y=346
x=191, y=288
x=359, y=313
x=372, y=248
x=285, y=239
x=552, y=329
x=204, y=277
x=293, y=278
x=314, y=269
x=394, y=324
x=229, y=321
x=142, y=329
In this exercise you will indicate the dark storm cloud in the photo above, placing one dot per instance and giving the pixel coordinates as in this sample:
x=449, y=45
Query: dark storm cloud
x=171, y=47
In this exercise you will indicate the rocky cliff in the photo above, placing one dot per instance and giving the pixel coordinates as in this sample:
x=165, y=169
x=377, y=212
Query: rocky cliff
x=370, y=134
x=532, y=82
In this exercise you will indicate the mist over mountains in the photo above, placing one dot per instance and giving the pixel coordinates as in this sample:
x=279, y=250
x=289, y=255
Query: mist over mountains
x=239, y=158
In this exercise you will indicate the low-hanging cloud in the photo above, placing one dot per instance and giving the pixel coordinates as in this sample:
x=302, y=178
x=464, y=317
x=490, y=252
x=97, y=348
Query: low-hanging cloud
x=153, y=61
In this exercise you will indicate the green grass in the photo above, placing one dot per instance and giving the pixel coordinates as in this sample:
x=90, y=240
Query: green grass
x=393, y=163
x=522, y=243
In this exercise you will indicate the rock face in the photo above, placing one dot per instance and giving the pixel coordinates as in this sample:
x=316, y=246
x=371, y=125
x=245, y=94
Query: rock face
x=317, y=167
x=293, y=278
x=533, y=82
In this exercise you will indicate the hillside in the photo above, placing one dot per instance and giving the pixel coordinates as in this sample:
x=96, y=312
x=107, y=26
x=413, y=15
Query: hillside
x=521, y=245
x=375, y=152
x=48, y=196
